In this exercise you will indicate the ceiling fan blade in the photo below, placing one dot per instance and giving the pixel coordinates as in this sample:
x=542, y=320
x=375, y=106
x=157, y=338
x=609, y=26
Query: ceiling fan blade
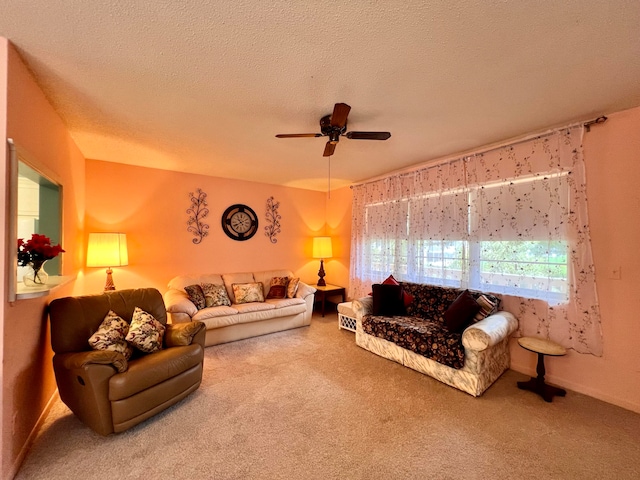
x=368, y=135
x=339, y=115
x=329, y=149
x=298, y=135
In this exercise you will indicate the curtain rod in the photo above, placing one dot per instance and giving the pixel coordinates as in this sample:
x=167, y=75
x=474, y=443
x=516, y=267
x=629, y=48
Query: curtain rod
x=452, y=158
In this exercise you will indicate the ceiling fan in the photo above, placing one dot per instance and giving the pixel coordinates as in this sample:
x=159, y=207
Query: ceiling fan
x=334, y=126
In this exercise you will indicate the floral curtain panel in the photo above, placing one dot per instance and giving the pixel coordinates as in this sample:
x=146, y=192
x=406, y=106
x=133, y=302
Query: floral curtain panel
x=511, y=221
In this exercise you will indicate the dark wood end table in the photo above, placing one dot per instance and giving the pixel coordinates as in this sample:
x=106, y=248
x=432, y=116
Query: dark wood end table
x=328, y=291
x=542, y=347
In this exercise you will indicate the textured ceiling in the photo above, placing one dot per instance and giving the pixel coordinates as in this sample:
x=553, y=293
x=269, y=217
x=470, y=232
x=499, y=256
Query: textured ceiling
x=203, y=87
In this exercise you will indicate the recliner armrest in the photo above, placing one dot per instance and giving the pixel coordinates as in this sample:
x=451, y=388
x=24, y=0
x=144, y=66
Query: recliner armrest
x=489, y=331
x=182, y=334
x=72, y=361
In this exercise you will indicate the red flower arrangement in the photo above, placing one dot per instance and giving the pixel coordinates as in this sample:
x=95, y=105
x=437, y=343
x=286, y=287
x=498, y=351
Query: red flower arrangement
x=36, y=251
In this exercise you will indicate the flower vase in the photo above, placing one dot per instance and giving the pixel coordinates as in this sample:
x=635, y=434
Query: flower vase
x=35, y=276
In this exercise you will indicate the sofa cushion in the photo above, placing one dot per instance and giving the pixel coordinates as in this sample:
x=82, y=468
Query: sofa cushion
x=150, y=370
x=388, y=300
x=429, y=339
x=257, y=316
x=461, y=312
x=278, y=287
x=213, y=312
x=145, y=332
x=111, y=335
x=182, y=281
x=215, y=295
x=430, y=301
x=231, y=278
x=248, y=292
x=253, y=307
x=285, y=302
x=266, y=276
x=196, y=295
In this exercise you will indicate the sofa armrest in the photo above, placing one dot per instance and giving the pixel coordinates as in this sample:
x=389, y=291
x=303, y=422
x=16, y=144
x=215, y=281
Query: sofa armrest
x=489, y=331
x=177, y=301
x=362, y=306
x=305, y=290
x=182, y=334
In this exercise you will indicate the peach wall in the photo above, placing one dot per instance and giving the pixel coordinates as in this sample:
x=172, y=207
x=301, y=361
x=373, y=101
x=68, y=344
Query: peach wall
x=4, y=46
x=612, y=157
x=28, y=382
x=339, y=228
x=149, y=205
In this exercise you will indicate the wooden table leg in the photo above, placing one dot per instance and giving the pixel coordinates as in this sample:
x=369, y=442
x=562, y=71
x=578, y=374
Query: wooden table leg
x=538, y=386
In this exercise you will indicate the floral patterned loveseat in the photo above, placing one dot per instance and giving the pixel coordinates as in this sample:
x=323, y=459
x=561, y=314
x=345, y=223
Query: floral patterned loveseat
x=470, y=360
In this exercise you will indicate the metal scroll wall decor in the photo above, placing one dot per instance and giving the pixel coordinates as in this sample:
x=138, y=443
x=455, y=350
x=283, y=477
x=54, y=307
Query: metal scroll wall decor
x=197, y=211
x=273, y=220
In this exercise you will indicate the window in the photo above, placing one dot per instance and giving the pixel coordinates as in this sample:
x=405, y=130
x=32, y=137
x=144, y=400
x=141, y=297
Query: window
x=510, y=220
x=447, y=238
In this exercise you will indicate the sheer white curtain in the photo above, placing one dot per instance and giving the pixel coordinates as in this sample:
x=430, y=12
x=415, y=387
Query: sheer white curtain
x=511, y=221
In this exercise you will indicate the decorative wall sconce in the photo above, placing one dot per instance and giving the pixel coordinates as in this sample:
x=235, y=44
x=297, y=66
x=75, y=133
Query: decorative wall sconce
x=322, y=250
x=107, y=250
x=197, y=212
x=273, y=220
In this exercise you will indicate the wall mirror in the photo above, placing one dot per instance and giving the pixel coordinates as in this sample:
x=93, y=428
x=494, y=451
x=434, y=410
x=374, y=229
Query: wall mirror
x=35, y=207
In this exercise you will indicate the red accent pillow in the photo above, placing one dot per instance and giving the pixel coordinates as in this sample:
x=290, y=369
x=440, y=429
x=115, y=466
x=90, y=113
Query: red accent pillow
x=407, y=298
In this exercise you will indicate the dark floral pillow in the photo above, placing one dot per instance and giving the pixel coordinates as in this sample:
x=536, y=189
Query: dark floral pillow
x=215, y=295
x=278, y=287
x=196, y=295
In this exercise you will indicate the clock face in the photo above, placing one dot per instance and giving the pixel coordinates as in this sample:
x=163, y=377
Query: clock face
x=239, y=222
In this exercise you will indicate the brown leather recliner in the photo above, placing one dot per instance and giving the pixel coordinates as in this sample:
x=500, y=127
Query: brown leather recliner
x=107, y=392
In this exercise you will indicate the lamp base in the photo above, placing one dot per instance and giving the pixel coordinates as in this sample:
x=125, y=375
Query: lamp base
x=321, y=282
x=109, y=285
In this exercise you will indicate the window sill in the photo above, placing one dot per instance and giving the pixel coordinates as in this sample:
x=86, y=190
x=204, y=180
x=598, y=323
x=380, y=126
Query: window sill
x=54, y=281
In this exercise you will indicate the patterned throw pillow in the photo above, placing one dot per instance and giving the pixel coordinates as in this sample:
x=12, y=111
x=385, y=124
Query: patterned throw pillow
x=487, y=307
x=196, y=295
x=111, y=335
x=292, y=287
x=248, y=292
x=215, y=295
x=278, y=287
x=145, y=332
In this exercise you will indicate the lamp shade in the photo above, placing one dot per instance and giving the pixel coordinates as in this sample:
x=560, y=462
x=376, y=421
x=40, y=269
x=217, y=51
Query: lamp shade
x=107, y=250
x=322, y=247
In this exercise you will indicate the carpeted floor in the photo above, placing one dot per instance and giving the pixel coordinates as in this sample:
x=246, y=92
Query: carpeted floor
x=310, y=404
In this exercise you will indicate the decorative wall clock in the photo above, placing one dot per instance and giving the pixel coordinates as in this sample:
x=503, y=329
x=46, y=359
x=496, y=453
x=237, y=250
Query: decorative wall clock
x=239, y=222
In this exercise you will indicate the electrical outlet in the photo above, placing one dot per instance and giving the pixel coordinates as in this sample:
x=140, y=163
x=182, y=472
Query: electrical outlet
x=615, y=273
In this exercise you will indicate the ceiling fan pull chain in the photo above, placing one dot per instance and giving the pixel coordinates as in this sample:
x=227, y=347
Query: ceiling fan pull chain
x=329, y=179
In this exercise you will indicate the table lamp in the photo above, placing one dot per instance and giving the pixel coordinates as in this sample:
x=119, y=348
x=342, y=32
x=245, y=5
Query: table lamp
x=322, y=250
x=107, y=250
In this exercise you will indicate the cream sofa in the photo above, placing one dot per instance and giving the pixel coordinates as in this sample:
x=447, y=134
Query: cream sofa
x=485, y=343
x=238, y=321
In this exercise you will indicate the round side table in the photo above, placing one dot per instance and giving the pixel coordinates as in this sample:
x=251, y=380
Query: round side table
x=542, y=347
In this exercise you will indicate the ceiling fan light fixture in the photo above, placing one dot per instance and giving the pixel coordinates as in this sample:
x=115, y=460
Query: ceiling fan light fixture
x=334, y=126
